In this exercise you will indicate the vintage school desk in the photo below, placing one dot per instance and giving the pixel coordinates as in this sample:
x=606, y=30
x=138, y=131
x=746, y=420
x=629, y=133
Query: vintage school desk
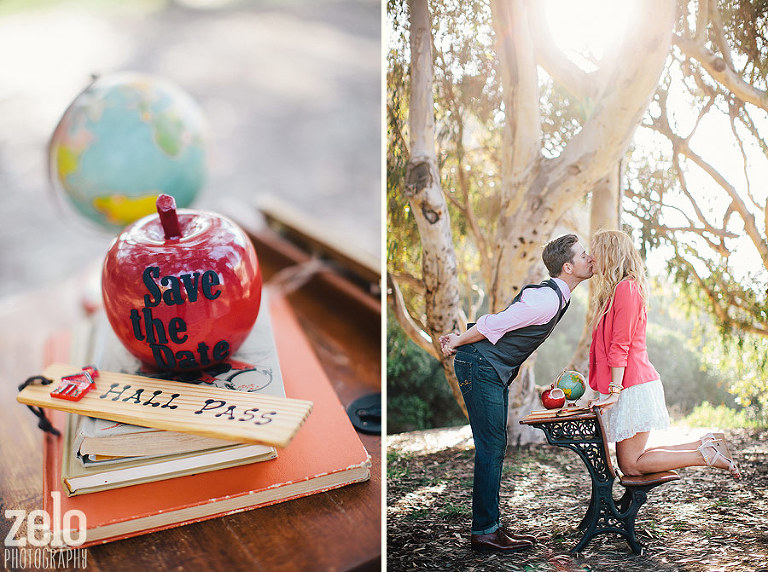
x=581, y=430
x=336, y=530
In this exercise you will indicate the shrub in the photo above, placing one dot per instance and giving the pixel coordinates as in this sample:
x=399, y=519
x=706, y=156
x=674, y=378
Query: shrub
x=708, y=415
x=418, y=395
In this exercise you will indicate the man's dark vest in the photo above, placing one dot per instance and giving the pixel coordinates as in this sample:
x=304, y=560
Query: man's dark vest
x=514, y=347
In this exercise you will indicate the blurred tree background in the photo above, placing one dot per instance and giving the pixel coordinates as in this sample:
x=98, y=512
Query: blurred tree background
x=688, y=183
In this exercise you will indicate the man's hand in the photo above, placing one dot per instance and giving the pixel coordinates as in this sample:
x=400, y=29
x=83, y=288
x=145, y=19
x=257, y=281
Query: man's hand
x=606, y=403
x=448, y=343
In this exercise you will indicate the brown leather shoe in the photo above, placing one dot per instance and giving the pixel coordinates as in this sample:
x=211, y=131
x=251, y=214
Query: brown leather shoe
x=512, y=536
x=498, y=542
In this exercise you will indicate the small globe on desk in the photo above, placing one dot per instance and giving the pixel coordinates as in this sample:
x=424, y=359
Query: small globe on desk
x=124, y=140
x=572, y=383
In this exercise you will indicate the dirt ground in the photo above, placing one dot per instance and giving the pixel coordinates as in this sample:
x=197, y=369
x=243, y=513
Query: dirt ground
x=704, y=521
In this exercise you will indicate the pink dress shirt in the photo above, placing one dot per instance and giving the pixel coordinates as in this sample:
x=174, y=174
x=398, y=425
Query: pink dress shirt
x=619, y=341
x=536, y=306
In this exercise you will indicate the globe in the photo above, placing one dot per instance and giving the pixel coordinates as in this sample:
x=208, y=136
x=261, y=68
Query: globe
x=124, y=140
x=572, y=383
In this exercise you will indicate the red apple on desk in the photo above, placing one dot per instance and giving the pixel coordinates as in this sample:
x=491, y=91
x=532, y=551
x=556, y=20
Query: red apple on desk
x=553, y=398
x=182, y=289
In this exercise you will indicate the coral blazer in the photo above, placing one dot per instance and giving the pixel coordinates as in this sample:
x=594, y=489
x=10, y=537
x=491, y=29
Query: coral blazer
x=619, y=341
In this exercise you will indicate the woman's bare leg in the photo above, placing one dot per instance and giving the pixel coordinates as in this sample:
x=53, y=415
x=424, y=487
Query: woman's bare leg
x=692, y=446
x=634, y=459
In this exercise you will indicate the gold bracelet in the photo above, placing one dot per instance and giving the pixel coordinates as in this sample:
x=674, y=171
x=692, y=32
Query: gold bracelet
x=615, y=388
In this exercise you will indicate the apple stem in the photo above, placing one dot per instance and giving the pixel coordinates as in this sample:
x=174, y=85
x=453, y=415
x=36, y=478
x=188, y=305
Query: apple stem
x=166, y=208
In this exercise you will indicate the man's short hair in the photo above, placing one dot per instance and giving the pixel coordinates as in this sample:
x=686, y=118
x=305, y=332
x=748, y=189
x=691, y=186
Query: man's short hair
x=557, y=252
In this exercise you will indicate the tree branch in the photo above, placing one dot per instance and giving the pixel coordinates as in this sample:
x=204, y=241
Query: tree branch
x=577, y=82
x=708, y=227
x=465, y=205
x=746, y=121
x=717, y=31
x=476, y=305
x=401, y=142
x=681, y=147
x=480, y=241
x=702, y=20
x=633, y=80
x=670, y=230
x=414, y=283
x=716, y=67
x=738, y=203
x=744, y=159
x=412, y=329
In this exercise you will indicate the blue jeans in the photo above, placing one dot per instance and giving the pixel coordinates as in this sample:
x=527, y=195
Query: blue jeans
x=486, y=398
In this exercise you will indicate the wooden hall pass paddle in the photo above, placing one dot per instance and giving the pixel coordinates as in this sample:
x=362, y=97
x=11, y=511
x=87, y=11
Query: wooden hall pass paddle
x=238, y=416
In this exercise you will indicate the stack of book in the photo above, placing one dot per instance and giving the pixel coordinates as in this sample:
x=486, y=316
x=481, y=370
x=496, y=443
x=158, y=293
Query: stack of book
x=129, y=480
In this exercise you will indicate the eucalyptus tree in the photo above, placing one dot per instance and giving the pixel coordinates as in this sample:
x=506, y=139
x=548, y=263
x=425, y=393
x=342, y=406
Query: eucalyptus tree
x=485, y=183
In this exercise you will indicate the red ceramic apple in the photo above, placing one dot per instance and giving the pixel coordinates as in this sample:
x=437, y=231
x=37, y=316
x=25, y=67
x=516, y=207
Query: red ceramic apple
x=181, y=290
x=553, y=398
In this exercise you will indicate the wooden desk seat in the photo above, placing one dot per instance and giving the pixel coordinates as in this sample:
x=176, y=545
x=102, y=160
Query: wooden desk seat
x=584, y=433
x=649, y=479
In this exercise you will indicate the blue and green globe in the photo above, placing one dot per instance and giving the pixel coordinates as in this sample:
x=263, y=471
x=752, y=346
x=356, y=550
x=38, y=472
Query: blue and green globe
x=572, y=383
x=124, y=140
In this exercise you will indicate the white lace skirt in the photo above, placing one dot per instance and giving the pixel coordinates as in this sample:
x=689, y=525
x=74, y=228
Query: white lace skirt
x=639, y=408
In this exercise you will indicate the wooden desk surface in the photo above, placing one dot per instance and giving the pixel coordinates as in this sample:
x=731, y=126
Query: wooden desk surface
x=336, y=530
x=555, y=415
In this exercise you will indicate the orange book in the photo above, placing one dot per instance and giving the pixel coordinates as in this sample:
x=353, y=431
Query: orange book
x=325, y=454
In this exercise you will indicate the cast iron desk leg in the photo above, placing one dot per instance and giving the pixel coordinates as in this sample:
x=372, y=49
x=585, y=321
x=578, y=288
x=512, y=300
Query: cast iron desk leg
x=590, y=510
x=603, y=513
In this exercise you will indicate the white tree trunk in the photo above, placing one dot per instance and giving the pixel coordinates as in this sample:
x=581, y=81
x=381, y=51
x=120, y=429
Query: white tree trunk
x=605, y=213
x=422, y=187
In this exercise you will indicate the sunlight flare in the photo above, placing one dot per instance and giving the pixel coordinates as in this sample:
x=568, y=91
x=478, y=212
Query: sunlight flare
x=586, y=31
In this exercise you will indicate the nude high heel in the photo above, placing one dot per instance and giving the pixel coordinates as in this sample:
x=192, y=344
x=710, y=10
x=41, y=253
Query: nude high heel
x=712, y=453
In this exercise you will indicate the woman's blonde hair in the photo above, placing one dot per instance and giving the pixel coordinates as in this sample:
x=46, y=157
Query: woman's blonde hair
x=616, y=259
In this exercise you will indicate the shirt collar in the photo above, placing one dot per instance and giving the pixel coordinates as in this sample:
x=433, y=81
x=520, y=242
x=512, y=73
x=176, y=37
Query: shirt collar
x=563, y=288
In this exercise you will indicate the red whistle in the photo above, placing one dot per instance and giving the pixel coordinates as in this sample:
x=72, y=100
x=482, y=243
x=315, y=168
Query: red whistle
x=74, y=387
